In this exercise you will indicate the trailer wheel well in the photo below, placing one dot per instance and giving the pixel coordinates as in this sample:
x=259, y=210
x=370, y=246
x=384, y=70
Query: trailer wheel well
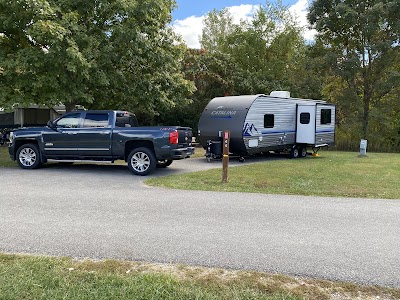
x=130, y=145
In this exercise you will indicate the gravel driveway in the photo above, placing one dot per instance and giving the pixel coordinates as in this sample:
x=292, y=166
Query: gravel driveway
x=98, y=211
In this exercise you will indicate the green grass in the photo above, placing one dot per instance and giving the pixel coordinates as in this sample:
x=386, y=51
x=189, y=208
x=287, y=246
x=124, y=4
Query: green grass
x=5, y=160
x=31, y=277
x=331, y=174
x=23, y=277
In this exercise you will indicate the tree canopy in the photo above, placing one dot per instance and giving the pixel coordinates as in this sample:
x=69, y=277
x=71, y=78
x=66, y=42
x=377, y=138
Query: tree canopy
x=101, y=54
x=213, y=74
x=264, y=49
x=363, y=39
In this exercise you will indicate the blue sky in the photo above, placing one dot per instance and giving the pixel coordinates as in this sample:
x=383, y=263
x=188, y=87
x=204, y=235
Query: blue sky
x=187, y=8
x=189, y=15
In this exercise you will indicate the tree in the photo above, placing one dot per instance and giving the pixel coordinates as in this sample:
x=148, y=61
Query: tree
x=264, y=49
x=218, y=25
x=212, y=74
x=363, y=38
x=101, y=54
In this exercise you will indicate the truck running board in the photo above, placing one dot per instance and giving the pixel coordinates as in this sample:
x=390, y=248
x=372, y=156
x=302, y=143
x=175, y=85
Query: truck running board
x=81, y=161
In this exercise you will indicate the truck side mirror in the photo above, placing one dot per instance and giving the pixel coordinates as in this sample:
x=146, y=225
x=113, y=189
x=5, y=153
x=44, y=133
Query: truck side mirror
x=51, y=125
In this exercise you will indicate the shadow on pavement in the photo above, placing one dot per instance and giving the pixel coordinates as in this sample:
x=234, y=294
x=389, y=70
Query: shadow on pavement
x=178, y=167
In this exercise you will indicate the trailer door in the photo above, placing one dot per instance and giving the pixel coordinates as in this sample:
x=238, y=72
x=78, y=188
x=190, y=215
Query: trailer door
x=305, y=125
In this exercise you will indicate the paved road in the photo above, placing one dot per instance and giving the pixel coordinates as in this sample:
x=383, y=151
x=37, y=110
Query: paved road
x=105, y=212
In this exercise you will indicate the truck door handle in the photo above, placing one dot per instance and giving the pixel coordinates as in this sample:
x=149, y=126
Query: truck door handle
x=104, y=132
x=72, y=133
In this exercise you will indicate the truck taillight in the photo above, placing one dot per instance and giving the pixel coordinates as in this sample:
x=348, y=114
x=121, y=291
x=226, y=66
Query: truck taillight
x=173, y=137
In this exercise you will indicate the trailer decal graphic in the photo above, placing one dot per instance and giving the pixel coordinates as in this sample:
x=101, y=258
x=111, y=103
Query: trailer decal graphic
x=221, y=117
x=249, y=130
x=325, y=131
x=277, y=132
x=223, y=113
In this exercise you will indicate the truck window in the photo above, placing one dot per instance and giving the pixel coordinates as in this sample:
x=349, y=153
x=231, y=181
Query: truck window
x=96, y=120
x=269, y=121
x=126, y=120
x=70, y=121
x=326, y=115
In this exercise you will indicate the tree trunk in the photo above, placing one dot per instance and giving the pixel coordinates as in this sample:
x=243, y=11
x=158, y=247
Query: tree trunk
x=367, y=100
x=69, y=107
x=368, y=88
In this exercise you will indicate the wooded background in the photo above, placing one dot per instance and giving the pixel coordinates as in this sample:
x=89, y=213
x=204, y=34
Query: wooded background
x=123, y=54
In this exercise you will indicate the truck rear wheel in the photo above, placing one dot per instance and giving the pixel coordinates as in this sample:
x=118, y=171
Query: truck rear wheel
x=142, y=161
x=28, y=156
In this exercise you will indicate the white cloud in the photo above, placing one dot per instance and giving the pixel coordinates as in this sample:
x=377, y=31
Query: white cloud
x=190, y=28
x=300, y=10
x=242, y=12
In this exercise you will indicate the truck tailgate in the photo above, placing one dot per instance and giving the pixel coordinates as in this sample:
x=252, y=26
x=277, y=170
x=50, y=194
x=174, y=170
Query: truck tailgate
x=185, y=137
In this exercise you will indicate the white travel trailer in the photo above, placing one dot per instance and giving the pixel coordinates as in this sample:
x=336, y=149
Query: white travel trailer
x=260, y=123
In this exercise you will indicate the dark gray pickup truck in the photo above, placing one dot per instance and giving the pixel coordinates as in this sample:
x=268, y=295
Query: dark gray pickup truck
x=101, y=136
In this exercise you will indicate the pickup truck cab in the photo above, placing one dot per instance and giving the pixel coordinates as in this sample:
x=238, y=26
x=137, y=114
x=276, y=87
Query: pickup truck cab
x=99, y=135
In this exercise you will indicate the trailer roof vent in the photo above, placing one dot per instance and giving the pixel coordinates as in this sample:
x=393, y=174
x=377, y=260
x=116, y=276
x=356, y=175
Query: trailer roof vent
x=280, y=94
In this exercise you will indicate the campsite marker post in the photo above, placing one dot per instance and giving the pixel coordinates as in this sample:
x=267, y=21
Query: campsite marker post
x=225, y=155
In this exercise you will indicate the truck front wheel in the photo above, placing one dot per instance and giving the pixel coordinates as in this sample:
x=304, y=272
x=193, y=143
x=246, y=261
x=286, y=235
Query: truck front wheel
x=142, y=161
x=28, y=156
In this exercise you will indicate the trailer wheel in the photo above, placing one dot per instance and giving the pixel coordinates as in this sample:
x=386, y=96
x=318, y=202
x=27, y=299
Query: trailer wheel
x=303, y=151
x=294, y=152
x=142, y=161
x=28, y=156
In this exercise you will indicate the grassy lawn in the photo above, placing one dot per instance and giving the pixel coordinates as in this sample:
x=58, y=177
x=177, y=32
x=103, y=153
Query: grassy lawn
x=31, y=277
x=331, y=174
x=5, y=160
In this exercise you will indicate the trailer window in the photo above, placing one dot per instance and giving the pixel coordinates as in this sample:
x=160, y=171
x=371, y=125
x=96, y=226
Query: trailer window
x=305, y=118
x=269, y=121
x=326, y=116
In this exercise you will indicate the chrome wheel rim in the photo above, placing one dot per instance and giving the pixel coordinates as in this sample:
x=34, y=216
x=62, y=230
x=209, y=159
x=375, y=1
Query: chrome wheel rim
x=295, y=153
x=304, y=152
x=27, y=157
x=140, y=162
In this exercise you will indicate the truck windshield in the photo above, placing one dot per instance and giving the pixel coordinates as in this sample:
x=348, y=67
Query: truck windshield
x=126, y=120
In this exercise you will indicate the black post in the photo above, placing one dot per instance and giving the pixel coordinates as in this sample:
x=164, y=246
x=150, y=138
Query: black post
x=225, y=157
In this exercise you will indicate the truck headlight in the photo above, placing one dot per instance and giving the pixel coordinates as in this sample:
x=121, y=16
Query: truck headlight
x=11, y=137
